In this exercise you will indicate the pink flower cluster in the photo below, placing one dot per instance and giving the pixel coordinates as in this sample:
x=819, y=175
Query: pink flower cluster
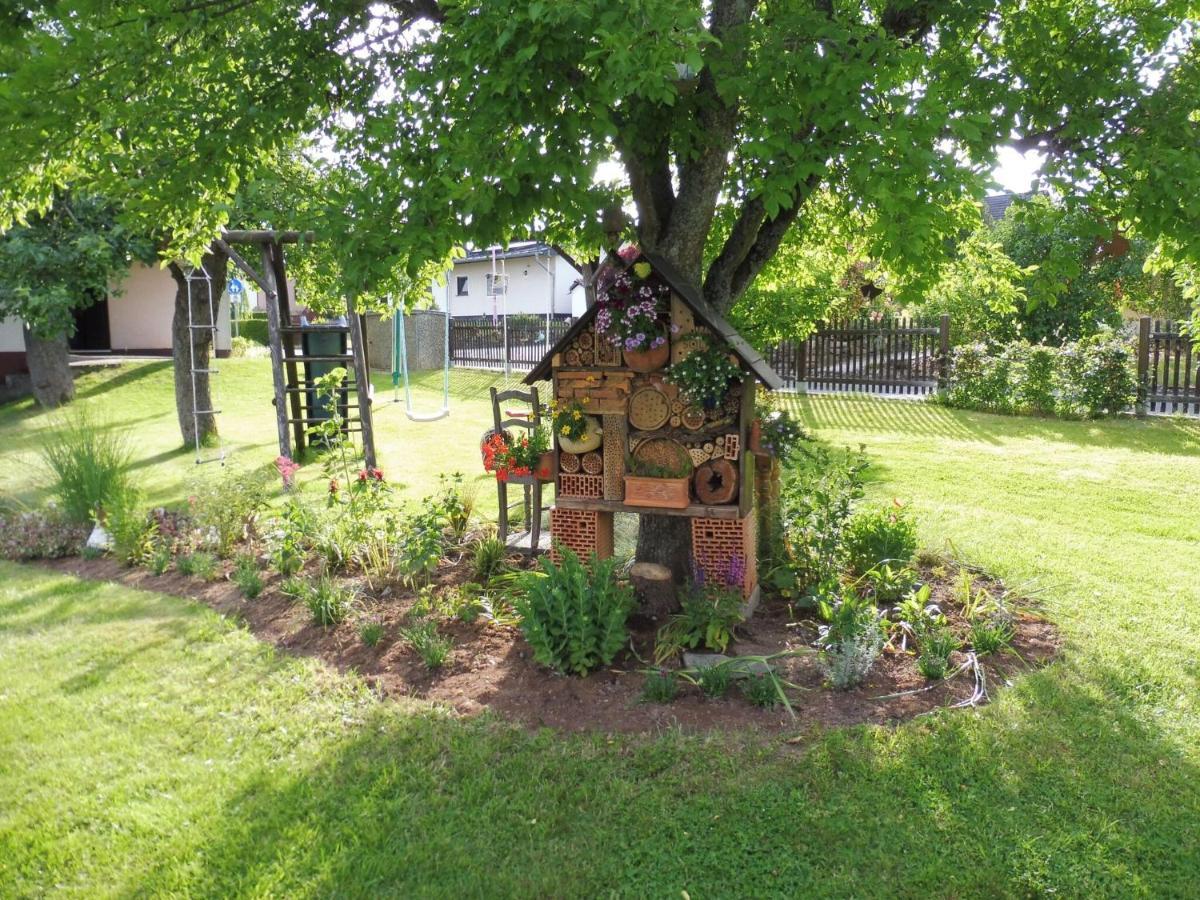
x=287, y=470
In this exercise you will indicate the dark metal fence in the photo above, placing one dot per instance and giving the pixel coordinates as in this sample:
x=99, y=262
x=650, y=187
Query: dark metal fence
x=484, y=344
x=1168, y=370
x=879, y=356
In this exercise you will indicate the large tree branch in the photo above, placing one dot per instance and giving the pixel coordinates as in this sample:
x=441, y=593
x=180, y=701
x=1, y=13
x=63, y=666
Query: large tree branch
x=743, y=256
x=649, y=173
x=702, y=174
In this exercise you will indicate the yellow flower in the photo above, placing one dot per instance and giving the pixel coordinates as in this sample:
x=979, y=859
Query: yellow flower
x=576, y=414
x=566, y=429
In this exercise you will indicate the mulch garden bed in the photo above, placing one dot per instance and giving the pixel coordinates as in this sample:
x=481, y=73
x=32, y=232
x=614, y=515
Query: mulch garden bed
x=491, y=666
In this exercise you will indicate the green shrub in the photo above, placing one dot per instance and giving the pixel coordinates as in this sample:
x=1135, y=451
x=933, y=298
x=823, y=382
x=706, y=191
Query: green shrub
x=160, y=560
x=851, y=642
x=1033, y=367
x=90, y=467
x=246, y=576
x=489, y=559
x=133, y=535
x=370, y=630
x=979, y=379
x=934, y=646
x=1095, y=377
x=199, y=564
x=289, y=536
x=709, y=613
x=1087, y=378
x=225, y=506
x=889, y=583
x=329, y=601
x=433, y=647
x=253, y=329
x=991, y=633
x=714, y=681
x=815, y=504
x=877, y=536
x=422, y=543
x=761, y=689
x=660, y=687
x=574, y=619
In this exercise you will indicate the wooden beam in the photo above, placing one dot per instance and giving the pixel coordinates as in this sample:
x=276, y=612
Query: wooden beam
x=274, y=341
x=363, y=377
x=243, y=265
x=268, y=237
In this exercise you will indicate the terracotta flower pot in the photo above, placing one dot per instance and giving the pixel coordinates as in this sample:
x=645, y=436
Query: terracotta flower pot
x=659, y=493
x=545, y=466
x=591, y=439
x=643, y=361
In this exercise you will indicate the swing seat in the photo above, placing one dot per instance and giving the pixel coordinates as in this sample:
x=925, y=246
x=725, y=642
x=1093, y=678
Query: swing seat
x=428, y=417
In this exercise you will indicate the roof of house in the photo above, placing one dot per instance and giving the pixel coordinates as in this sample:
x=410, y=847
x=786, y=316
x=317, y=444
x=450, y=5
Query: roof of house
x=513, y=251
x=997, y=204
x=705, y=314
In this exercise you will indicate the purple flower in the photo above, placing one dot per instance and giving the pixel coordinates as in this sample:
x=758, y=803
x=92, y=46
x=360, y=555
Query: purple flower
x=658, y=342
x=674, y=328
x=735, y=572
x=640, y=337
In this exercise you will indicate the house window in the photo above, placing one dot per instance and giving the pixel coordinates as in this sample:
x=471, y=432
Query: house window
x=461, y=281
x=496, y=284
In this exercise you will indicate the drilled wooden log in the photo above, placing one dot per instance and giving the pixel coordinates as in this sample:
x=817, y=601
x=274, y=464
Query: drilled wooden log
x=716, y=482
x=654, y=588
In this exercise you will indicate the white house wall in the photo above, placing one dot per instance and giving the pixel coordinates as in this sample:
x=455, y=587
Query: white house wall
x=529, y=288
x=140, y=314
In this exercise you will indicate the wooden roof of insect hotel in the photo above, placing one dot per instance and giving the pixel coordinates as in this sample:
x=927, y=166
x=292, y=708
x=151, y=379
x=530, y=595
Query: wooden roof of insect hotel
x=691, y=297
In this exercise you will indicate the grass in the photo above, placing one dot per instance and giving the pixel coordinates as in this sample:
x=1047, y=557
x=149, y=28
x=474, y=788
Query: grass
x=147, y=746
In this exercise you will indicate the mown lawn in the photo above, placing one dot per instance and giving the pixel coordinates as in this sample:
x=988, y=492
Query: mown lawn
x=148, y=747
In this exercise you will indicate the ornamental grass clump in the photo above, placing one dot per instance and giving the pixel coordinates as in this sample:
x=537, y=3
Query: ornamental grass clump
x=573, y=618
x=89, y=464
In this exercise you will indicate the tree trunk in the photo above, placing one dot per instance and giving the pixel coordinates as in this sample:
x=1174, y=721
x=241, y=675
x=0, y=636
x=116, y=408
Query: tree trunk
x=194, y=346
x=667, y=540
x=49, y=361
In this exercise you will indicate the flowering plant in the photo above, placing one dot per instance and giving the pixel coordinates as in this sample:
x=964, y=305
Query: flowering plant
x=633, y=312
x=781, y=434
x=507, y=456
x=287, y=470
x=704, y=376
x=570, y=420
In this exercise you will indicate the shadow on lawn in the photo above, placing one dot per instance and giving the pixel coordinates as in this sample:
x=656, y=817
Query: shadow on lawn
x=1067, y=788
x=918, y=419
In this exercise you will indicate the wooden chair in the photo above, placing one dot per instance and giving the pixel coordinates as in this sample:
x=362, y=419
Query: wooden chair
x=532, y=493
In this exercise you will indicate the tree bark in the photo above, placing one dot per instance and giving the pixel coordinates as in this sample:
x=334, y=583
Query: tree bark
x=667, y=540
x=195, y=346
x=49, y=361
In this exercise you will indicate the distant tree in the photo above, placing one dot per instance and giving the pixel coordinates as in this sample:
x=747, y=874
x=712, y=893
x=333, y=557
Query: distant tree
x=57, y=263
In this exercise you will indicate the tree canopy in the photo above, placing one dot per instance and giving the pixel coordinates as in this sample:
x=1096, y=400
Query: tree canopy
x=63, y=260
x=447, y=122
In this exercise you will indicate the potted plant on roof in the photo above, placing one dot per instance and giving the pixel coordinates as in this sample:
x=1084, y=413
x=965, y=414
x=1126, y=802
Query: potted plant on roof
x=705, y=375
x=634, y=317
x=658, y=483
x=577, y=432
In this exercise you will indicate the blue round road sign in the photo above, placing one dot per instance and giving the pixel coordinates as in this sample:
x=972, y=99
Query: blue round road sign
x=235, y=286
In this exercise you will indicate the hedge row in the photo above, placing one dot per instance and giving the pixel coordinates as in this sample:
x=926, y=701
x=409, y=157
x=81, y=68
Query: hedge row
x=254, y=329
x=1083, y=379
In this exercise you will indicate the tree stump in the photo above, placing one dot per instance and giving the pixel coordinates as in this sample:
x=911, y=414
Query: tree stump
x=655, y=589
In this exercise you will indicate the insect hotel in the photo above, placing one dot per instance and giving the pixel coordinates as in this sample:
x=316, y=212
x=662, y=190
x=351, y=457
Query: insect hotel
x=653, y=405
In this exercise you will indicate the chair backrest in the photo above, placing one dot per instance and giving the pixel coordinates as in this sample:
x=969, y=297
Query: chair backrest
x=531, y=397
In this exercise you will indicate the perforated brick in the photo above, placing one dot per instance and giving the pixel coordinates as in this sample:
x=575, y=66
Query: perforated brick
x=583, y=531
x=588, y=487
x=715, y=542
